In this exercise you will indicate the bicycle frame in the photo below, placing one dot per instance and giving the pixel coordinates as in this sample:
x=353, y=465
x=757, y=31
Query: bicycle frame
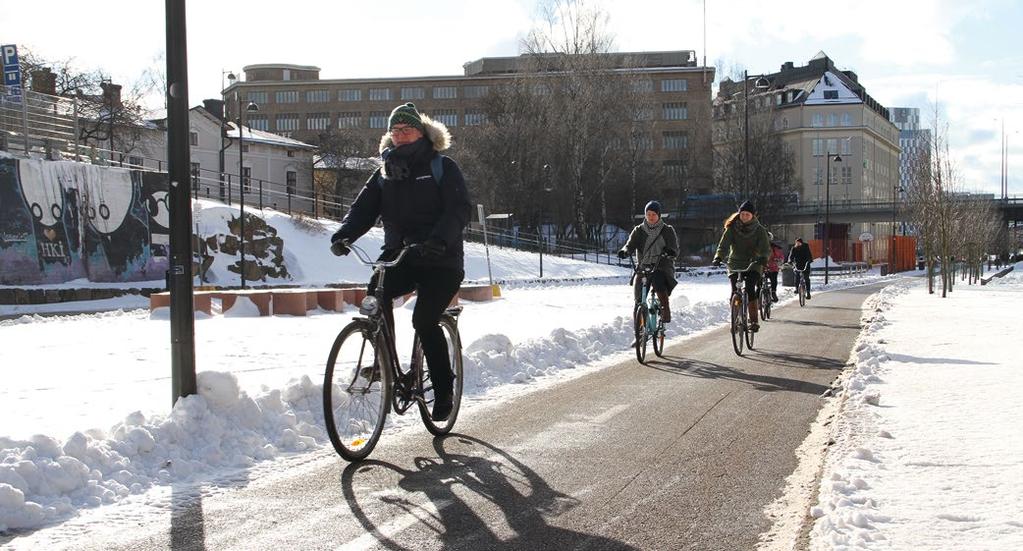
x=649, y=298
x=405, y=394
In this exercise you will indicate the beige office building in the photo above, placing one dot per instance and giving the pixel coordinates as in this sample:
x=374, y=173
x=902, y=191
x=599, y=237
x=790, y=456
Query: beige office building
x=820, y=109
x=294, y=101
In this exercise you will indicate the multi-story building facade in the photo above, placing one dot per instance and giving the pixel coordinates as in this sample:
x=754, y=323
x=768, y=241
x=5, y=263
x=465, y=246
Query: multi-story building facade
x=913, y=141
x=293, y=100
x=821, y=111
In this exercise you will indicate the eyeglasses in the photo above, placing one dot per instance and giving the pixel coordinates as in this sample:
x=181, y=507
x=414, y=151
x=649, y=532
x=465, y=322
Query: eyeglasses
x=406, y=130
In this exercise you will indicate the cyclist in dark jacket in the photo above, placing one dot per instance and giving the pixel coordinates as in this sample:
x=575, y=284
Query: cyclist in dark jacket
x=416, y=209
x=657, y=245
x=800, y=256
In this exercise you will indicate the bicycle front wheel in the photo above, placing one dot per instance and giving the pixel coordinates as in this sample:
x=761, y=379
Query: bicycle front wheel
x=454, y=344
x=639, y=323
x=765, y=304
x=356, y=387
x=738, y=324
x=802, y=294
x=658, y=339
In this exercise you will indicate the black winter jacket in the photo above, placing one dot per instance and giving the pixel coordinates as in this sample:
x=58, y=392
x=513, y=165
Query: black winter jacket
x=414, y=209
x=800, y=256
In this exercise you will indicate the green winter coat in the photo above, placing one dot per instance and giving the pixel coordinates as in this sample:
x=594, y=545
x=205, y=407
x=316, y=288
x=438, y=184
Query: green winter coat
x=637, y=243
x=744, y=243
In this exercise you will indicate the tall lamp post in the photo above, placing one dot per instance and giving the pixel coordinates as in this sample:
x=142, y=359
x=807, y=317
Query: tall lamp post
x=241, y=168
x=761, y=83
x=541, y=240
x=827, y=215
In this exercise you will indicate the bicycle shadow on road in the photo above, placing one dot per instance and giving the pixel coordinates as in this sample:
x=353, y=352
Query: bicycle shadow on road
x=795, y=359
x=690, y=367
x=523, y=501
x=809, y=323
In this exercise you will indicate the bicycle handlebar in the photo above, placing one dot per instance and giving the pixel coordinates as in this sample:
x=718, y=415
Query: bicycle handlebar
x=367, y=261
x=797, y=268
x=748, y=268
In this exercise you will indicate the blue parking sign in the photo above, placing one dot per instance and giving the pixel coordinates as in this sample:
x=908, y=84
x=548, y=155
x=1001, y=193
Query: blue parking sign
x=12, y=70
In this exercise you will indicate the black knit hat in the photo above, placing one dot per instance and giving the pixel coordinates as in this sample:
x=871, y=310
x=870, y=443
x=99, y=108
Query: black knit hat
x=405, y=114
x=654, y=206
x=748, y=207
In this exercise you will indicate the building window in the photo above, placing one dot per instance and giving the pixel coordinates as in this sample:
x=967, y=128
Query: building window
x=286, y=123
x=475, y=117
x=832, y=119
x=643, y=86
x=475, y=91
x=317, y=96
x=845, y=144
x=257, y=97
x=193, y=138
x=831, y=94
x=673, y=169
x=379, y=94
x=447, y=117
x=847, y=175
x=349, y=119
x=317, y=121
x=247, y=178
x=291, y=178
x=643, y=114
x=818, y=147
x=674, y=85
x=291, y=153
x=445, y=92
x=832, y=146
x=412, y=92
x=349, y=95
x=846, y=119
x=378, y=119
x=286, y=96
x=258, y=122
x=642, y=141
x=817, y=120
x=676, y=139
x=677, y=111
x=784, y=123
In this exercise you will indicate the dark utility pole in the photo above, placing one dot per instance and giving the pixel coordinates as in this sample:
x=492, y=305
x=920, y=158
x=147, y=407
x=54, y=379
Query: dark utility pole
x=179, y=275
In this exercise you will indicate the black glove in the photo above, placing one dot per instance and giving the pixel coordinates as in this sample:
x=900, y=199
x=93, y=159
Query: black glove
x=717, y=263
x=340, y=247
x=622, y=253
x=669, y=253
x=433, y=247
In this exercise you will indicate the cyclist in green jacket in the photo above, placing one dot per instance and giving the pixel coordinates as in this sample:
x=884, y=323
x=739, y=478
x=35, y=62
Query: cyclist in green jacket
x=743, y=242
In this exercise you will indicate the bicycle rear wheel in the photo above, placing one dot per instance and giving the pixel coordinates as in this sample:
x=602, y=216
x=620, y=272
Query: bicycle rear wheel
x=765, y=302
x=639, y=317
x=454, y=344
x=356, y=388
x=738, y=323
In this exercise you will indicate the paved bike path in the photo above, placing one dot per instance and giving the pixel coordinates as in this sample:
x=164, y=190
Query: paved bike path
x=683, y=453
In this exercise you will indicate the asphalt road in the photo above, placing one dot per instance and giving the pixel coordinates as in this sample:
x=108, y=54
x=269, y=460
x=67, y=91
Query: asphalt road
x=683, y=453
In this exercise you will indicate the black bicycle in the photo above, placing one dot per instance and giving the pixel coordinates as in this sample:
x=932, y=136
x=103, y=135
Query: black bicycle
x=801, y=289
x=739, y=303
x=364, y=378
x=646, y=315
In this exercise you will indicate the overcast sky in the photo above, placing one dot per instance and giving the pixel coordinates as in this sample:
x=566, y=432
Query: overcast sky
x=907, y=53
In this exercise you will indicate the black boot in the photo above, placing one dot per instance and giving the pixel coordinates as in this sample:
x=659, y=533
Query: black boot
x=442, y=405
x=665, y=306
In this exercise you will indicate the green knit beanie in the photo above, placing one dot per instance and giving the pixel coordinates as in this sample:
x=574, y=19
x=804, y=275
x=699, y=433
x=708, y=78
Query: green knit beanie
x=405, y=114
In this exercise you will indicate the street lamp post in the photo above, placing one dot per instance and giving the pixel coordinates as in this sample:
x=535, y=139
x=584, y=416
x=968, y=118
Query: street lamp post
x=241, y=168
x=827, y=215
x=760, y=84
x=541, y=241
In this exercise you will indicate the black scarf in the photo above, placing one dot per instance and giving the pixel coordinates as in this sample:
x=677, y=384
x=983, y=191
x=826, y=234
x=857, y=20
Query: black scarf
x=399, y=160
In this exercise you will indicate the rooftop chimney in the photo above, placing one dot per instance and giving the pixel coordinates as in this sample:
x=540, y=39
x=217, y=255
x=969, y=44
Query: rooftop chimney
x=214, y=107
x=111, y=93
x=44, y=81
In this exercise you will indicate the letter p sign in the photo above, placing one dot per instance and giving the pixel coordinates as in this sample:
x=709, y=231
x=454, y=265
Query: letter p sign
x=12, y=72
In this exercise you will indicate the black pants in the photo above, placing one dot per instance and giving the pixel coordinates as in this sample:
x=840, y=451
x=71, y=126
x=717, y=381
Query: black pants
x=435, y=287
x=658, y=281
x=752, y=280
x=773, y=278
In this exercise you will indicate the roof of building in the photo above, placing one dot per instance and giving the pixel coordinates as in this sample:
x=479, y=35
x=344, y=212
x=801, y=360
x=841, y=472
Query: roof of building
x=259, y=136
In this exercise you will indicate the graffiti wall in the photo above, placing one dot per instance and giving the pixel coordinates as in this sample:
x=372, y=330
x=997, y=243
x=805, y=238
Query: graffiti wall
x=61, y=221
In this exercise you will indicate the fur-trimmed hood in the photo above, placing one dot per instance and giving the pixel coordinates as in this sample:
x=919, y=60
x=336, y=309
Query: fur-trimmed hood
x=436, y=132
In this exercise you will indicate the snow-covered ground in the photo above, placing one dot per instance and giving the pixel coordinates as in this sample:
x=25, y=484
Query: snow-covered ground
x=85, y=416
x=928, y=450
